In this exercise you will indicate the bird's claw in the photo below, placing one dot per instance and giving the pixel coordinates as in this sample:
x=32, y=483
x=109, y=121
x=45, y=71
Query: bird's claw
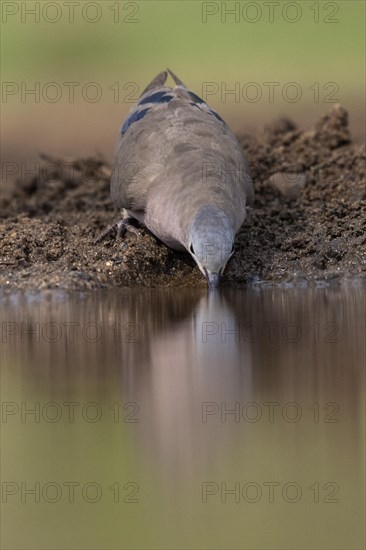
x=117, y=231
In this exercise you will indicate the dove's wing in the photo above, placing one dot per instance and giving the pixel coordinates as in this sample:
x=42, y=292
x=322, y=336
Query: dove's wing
x=165, y=139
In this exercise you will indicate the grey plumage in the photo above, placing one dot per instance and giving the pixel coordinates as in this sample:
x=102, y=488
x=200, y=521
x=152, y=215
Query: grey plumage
x=180, y=170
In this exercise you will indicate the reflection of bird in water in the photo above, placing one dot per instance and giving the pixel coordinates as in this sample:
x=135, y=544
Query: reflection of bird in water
x=185, y=357
x=196, y=369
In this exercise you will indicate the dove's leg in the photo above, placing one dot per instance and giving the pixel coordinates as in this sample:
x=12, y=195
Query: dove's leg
x=119, y=229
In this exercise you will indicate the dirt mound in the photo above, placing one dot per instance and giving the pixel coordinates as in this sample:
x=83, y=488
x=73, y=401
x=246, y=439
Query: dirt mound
x=308, y=220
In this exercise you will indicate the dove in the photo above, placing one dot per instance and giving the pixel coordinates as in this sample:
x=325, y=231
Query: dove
x=179, y=170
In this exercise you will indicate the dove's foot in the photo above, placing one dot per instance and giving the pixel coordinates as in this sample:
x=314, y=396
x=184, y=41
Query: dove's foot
x=117, y=230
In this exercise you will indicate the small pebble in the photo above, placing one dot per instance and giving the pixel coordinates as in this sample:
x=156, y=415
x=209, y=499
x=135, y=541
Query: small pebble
x=289, y=184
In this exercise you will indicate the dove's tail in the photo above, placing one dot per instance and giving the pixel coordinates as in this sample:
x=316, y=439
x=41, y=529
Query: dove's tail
x=157, y=82
x=160, y=79
x=176, y=79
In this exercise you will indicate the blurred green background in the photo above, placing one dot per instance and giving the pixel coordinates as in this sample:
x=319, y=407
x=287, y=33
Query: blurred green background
x=317, y=45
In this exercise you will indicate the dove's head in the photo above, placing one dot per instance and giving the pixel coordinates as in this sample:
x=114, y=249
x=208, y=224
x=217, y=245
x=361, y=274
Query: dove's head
x=211, y=242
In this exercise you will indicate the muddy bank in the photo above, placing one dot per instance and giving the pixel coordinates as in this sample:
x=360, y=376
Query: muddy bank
x=308, y=221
